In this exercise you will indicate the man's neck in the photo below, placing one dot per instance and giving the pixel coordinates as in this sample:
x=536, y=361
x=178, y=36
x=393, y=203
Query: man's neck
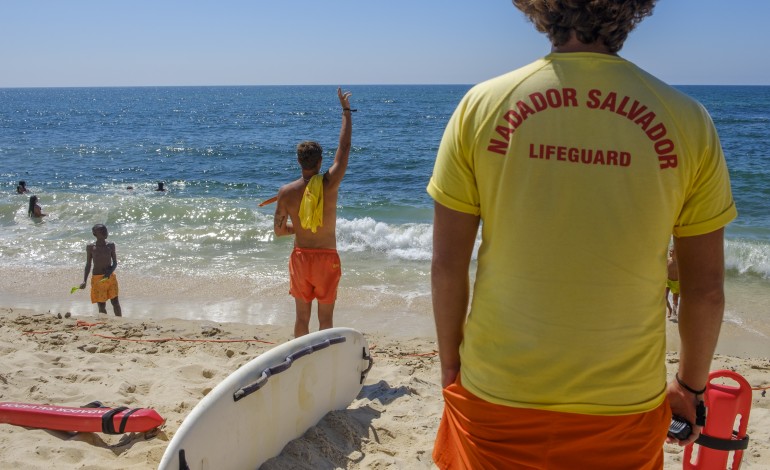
x=306, y=175
x=574, y=45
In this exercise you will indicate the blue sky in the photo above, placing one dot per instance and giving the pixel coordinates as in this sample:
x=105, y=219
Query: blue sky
x=287, y=42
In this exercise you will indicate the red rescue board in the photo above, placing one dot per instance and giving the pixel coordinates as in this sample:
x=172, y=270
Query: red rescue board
x=64, y=418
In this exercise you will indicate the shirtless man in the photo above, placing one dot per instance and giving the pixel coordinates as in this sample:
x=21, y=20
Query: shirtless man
x=307, y=209
x=104, y=283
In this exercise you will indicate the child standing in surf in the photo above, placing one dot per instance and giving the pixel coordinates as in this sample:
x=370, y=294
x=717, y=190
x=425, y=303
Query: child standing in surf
x=104, y=283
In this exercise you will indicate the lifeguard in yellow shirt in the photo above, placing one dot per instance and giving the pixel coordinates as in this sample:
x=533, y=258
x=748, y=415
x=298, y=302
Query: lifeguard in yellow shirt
x=577, y=168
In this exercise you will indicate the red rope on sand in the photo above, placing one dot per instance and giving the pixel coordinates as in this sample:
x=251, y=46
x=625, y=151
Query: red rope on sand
x=86, y=325
x=79, y=324
x=163, y=340
x=430, y=354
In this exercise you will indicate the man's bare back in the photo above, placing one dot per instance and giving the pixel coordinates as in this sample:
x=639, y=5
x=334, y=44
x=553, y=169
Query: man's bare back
x=325, y=236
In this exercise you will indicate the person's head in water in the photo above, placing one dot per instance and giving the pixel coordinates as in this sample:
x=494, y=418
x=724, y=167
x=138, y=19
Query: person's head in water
x=100, y=231
x=160, y=186
x=309, y=155
x=32, y=204
x=22, y=187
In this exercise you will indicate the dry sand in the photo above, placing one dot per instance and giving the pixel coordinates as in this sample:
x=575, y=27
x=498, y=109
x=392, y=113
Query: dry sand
x=73, y=361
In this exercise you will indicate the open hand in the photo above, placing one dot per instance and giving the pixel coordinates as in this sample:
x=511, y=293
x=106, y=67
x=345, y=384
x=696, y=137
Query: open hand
x=344, y=98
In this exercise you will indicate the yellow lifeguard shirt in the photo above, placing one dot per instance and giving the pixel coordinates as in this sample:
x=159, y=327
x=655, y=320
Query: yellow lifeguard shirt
x=581, y=167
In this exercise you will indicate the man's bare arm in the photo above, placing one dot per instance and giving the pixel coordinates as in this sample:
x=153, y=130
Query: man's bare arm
x=701, y=308
x=282, y=226
x=337, y=170
x=454, y=235
x=281, y=222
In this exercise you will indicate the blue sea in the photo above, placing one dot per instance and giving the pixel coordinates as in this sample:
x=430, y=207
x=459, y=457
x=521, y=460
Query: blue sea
x=222, y=150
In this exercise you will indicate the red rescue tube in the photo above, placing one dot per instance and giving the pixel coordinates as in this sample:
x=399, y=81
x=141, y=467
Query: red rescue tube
x=65, y=418
x=728, y=406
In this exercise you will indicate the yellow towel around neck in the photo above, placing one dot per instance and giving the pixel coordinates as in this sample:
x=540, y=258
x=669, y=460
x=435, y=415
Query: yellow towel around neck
x=311, y=209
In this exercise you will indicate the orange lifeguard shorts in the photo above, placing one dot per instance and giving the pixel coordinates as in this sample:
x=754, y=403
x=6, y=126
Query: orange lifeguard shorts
x=475, y=434
x=102, y=291
x=314, y=274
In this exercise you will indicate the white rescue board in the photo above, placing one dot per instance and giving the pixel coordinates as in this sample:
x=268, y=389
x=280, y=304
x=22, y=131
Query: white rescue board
x=253, y=413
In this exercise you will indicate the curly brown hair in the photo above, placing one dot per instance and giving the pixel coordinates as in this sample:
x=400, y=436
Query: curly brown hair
x=605, y=21
x=309, y=154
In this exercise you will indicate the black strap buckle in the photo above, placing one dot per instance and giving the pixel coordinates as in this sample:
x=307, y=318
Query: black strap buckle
x=719, y=443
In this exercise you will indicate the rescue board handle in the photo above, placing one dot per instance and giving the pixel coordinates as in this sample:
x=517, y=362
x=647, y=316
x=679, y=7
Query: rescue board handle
x=243, y=392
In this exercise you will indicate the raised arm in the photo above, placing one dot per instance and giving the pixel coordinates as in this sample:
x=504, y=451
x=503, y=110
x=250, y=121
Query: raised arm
x=701, y=307
x=337, y=171
x=454, y=234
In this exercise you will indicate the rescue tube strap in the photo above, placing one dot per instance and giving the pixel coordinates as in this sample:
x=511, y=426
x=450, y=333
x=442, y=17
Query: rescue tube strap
x=723, y=444
x=107, y=425
x=700, y=414
x=124, y=421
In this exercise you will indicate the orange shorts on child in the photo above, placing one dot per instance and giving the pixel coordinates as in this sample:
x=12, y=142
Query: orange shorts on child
x=314, y=274
x=103, y=290
x=475, y=434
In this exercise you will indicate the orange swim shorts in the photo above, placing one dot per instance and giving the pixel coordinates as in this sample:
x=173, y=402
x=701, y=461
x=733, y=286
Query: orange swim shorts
x=102, y=291
x=476, y=434
x=314, y=274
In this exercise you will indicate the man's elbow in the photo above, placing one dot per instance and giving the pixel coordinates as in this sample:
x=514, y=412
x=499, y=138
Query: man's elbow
x=714, y=297
x=710, y=287
x=708, y=295
x=283, y=231
x=447, y=269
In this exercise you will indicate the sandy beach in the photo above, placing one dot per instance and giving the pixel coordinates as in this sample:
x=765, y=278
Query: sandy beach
x=169, y=364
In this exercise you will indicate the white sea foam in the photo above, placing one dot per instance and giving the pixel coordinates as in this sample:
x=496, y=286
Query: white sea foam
x=748, y=257
x=410, y=241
